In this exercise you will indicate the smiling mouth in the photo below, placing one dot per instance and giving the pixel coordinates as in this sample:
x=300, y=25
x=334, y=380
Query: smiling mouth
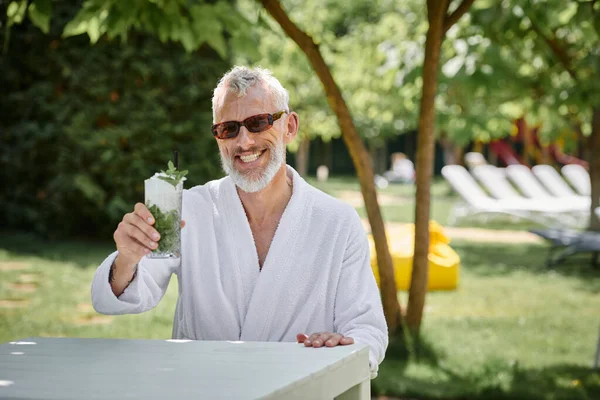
x=251, y=157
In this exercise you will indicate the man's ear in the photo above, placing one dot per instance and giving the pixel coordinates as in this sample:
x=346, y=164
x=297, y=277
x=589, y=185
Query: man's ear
x=292, y=127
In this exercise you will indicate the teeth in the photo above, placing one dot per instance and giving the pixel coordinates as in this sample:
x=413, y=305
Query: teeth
x=250, y=158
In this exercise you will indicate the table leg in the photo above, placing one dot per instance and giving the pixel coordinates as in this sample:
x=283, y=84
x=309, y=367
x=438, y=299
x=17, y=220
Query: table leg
x=362, y=391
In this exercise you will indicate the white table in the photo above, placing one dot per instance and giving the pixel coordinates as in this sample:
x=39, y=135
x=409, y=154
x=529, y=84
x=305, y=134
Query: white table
x=65, y=368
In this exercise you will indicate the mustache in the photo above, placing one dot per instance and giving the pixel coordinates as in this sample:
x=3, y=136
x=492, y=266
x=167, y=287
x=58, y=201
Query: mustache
x=238, y=150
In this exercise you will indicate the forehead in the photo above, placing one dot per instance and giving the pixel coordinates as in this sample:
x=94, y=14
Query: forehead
x=256, y=101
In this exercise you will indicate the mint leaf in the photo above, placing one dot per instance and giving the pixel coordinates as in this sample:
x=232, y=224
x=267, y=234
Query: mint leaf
x=172, y=175
x=168, y=225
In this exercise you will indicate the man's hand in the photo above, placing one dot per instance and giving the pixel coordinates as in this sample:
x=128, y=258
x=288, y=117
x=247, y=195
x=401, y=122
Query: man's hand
x=325, y=338
x=135, y=236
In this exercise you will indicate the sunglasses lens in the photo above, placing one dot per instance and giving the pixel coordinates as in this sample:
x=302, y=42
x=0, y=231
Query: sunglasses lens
x=227, y=130
x=258, y=123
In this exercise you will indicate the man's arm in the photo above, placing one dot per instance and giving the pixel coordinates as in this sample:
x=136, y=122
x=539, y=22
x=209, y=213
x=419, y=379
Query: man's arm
x=122, y=284
x=120, y=275
x=148, y=285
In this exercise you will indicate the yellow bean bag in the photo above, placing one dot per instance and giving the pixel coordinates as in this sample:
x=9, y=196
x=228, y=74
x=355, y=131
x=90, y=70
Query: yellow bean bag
x=444, y=263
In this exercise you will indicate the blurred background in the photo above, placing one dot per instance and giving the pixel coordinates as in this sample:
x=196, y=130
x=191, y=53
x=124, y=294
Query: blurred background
x=96, y=95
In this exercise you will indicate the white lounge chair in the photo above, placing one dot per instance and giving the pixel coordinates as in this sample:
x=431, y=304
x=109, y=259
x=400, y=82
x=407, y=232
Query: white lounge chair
x=528, y=184
x=499, y=186
x=579, y=178
x=556, y=185
x=474, y=159
x=479, y=203
x=493, y=179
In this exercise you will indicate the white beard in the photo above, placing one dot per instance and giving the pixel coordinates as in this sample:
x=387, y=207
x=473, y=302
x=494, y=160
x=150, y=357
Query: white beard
x=252, y=185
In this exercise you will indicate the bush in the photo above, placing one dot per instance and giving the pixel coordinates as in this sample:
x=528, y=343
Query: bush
x=83, y=125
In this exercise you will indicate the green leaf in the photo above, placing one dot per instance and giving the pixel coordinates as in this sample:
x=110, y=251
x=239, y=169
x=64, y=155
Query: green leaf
x=568, y=13
x=94, y=29
x=16, y=11
x=217, y=42
x=116, y=24
x=40, y=12
x=168, y=225
x=187, y=38
x=173, y=176
x=81, y=22
x=229, y=16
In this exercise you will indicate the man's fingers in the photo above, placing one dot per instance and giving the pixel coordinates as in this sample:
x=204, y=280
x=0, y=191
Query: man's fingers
x=334, y=340
x=308, y=342
x=135, y=233
x=325, y=339
x=141, y=210
x=127, y=244
x=346, y=340
x=321, y=339
x=137, y=221
x=301, y=337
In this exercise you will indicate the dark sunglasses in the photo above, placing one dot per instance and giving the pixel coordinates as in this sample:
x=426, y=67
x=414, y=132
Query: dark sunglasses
x=255, y=124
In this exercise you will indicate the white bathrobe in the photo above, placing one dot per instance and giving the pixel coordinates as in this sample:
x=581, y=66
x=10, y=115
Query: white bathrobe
x=316, y=276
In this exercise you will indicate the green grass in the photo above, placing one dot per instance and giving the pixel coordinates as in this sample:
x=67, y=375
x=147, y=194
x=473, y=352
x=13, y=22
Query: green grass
x=61, y=305
x=513, y=329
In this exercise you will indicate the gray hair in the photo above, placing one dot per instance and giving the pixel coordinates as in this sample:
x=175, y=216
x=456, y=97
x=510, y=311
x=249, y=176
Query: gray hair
x=240, y=79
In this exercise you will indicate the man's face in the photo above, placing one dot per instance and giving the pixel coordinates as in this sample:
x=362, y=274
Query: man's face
x=251, y=159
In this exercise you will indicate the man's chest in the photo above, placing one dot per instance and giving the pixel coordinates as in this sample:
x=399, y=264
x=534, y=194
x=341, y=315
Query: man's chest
x=263, y=237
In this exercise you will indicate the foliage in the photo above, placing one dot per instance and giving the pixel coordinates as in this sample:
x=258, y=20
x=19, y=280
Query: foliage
x=551, y=51
x=191, y=23
x=357, y=40
x=171, y=175
x=87, y=124
x=167, y=223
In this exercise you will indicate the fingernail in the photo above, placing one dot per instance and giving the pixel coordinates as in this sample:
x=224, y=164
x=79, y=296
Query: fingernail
x=146, y=250
x=152, y=244
x=155, y=236
x=329, y=342
x=150, y=220
x=317, y=342
x=307, y=341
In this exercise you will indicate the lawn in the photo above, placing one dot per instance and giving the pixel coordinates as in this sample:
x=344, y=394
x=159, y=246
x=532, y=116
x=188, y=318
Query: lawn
x=512, y=330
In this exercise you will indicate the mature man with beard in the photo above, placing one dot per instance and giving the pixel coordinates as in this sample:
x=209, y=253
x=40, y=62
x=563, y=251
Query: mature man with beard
x=264, y=255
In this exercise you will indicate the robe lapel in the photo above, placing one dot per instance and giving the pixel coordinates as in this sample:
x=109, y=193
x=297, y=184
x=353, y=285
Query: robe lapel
x=242, y=247
x=270, y=289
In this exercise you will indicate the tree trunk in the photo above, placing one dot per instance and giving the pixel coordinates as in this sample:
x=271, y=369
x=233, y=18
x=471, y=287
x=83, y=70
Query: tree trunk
x=360, y=158
x=594, y=163
x=436, y=11
x=302, y=156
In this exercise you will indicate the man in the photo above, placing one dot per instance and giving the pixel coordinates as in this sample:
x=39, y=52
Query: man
x=264, y=255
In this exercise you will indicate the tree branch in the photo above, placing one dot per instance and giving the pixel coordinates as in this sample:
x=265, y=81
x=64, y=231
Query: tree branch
x=455, y=16
x=559, y=52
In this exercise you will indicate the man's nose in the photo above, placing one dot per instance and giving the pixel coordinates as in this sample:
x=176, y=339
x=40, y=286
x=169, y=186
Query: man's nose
x=245, y=138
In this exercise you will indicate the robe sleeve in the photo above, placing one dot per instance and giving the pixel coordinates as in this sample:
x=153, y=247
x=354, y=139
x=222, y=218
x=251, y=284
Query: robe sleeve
x=143, y=293
x=358, y=308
